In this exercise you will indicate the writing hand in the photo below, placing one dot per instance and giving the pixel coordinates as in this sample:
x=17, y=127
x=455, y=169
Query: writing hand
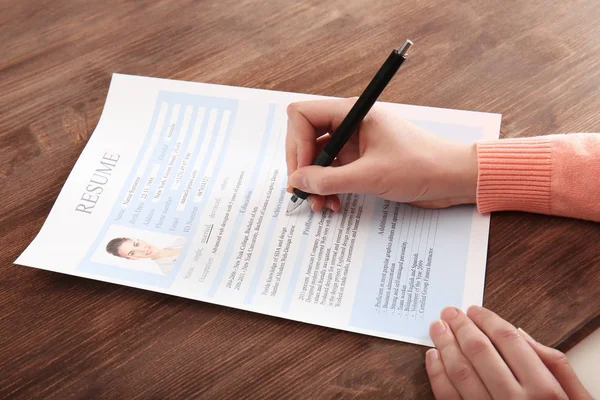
x=481, y=356
x=388, y=157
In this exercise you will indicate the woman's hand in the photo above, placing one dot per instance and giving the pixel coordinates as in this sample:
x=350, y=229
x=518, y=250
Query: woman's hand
x=388, y=157
x=481, y=356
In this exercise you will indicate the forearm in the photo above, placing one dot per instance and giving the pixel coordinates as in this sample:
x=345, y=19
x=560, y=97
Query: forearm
x=556, y=174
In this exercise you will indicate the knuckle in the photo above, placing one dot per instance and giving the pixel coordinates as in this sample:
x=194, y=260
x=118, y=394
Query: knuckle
x=460, y=372
x=376, y=114
x=375, y=118
x=476, y=346
x=303, y=144
x=558, y=358
x=509, y=333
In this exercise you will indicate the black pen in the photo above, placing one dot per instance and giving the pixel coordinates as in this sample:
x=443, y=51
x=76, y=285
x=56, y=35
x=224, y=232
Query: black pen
x=358, y=112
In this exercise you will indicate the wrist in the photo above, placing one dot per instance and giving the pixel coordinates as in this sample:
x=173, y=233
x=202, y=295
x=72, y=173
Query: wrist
x=465, y=172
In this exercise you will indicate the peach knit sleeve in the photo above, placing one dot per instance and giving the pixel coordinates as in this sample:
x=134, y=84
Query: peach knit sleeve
x=556, y=174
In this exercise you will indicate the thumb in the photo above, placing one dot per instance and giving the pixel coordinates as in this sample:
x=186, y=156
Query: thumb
x=559, y=366
x=350, y=178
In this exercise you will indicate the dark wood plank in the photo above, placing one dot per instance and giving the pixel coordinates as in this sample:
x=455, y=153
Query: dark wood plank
x=577, y=336
x=63, y=337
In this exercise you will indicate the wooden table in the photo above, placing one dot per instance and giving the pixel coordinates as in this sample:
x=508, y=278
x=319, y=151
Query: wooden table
x=536, y=62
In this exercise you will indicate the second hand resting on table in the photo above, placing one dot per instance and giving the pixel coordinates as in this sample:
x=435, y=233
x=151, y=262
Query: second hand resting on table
x=478, y=355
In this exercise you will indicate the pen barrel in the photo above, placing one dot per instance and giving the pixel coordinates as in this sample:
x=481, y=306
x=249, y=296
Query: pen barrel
x=300, y=194
x=364, y=103
x=357, y=113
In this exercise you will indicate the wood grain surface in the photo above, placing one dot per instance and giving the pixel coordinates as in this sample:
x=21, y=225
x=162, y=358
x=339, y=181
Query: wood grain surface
x=537, y=62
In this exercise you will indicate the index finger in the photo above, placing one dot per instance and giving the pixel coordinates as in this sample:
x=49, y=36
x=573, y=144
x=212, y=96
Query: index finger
x=308, y=120
x=478, y=349
x=518, y=354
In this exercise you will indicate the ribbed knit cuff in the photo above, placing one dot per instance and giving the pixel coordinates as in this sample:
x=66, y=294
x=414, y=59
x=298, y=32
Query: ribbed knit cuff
x=514, y=174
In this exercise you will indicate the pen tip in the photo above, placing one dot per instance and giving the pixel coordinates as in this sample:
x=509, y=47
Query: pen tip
x=294, y=203
x=403, y=50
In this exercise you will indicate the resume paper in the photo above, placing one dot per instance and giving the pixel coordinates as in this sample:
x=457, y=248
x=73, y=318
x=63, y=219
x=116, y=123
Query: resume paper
x=181, y=190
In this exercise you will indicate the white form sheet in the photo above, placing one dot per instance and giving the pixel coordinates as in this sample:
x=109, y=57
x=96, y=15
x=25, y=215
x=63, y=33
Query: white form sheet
x=186, y=181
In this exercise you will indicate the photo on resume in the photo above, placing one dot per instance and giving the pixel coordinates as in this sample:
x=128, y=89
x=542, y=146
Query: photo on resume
x=139, y=250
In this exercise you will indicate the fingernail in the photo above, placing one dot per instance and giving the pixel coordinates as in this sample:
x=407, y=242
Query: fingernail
x=311, y=201
x=438, y=327
x=329, y=204
x=432, y=355
x=449, y=313
x=474, y=310
x=526, y=336
x=335, y=206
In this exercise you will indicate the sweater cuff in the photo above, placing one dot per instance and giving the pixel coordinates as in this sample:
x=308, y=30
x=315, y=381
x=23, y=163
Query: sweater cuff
x=514, y=174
